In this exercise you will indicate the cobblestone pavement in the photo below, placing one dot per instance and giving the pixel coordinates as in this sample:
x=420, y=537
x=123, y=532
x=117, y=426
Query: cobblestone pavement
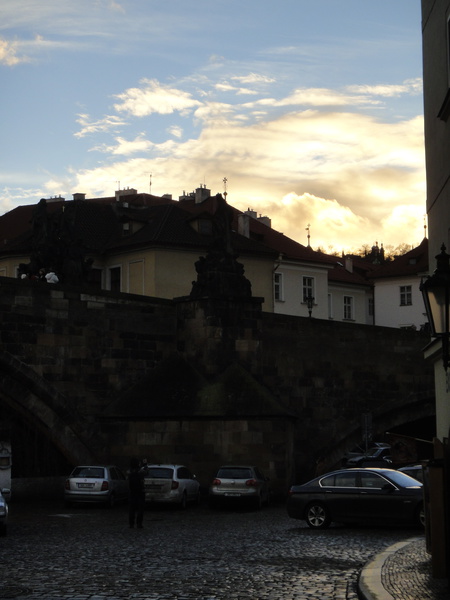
x=89, y=553
x=406, y=574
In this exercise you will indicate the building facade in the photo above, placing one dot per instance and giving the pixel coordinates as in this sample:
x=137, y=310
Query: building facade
x=436, y=78
x=147, y=245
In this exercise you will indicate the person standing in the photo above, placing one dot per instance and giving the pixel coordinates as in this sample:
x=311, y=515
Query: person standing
x=136, y=500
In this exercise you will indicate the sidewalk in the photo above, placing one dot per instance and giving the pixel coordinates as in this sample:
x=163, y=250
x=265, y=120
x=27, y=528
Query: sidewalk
x=402, y=572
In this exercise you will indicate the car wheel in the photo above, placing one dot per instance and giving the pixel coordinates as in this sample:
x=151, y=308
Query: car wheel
x=317, y=516
x=111, y=501
x=258, y=502
x=420, y=515
x=183, y=503
x=3, y=530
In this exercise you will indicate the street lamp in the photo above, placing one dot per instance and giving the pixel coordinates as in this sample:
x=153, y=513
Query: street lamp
x=436, y=296
x=309, y=303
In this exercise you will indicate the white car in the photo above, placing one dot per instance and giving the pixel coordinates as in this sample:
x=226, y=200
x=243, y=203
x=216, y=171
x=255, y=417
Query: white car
x=106, y=484
x=173, y=484
x=243, y=483
x=4, y=496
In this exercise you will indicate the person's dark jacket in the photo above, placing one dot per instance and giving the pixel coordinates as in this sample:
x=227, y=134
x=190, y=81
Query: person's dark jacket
x=136, y=483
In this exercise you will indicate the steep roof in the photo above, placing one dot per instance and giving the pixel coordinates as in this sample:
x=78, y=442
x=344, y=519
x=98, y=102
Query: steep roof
x=259, y=231
x=98, y=225
x=413, y=263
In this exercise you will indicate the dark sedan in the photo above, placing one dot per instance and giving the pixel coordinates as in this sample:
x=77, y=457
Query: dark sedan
x=357, y=495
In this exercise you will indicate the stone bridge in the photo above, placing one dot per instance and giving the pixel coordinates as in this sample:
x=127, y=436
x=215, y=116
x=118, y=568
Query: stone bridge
x=100, y=377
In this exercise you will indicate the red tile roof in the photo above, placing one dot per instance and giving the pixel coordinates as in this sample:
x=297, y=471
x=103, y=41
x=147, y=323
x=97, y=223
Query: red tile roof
x=414, y=262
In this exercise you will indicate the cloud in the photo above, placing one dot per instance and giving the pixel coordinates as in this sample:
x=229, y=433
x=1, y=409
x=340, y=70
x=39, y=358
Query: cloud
x=411, y=86
x=226, y=87
x=349, y=175
x=253, y=78
x=9, y=53
x=125, y=147
x=154, y=97
x=176, y=131
x=107, y=123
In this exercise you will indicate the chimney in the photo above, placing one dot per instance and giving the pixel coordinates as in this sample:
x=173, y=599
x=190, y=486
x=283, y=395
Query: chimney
x=201, y=193
x=349, y=265
x=244, y=225
x=265, y=220
x=126, y=192
x=78, y=196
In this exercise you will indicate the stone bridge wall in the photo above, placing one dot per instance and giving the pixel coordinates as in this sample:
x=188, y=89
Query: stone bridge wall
x=66, y=353
x=330, y=374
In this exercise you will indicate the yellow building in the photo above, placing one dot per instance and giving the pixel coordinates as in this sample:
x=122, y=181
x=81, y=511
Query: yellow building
x=144, y=244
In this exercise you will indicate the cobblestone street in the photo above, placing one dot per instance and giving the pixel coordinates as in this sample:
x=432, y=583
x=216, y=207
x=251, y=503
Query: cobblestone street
x=89, y=553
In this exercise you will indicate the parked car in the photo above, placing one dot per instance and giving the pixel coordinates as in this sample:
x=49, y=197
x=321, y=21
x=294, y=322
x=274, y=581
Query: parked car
x=239, y=482
x=4, y=496
x=96, y=483
x=358, y=495
x=173, y=484
x=415, y=471
x=378, y=456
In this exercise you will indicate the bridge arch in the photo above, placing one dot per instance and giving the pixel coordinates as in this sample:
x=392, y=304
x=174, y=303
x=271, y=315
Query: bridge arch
x=392, y=417
x=39, y=404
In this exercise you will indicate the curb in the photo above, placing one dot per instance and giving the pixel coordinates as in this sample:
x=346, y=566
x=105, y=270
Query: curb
x=370, y=584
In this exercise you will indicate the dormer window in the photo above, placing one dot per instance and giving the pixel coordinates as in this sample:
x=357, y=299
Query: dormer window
x=205, y=226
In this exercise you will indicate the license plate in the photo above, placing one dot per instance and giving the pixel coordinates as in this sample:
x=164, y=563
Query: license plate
x=232, y=494
x=85, y=485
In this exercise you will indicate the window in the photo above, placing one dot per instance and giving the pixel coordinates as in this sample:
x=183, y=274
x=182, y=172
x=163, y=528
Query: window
x=308, y=288
x=114, y=279
x=205, y=226
x=373, y=481
x=348, y=308
x=405, y=295
x=347, y=480
x=278, y=290
x=94, y=277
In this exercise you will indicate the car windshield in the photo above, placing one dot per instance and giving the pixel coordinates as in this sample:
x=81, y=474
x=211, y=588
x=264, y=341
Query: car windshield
x=89, y=472
x=159, y=473
x=234, y=473
x=403, y=480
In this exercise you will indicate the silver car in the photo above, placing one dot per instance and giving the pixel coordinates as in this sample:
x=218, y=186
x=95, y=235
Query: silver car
x=4, y=496
x=239, y=482
x=106, y=484
x=172, y=484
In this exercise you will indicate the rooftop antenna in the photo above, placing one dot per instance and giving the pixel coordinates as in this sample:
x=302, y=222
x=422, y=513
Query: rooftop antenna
x=425, y=225
x=307, y=229
x=150, y=184
x=225, y=193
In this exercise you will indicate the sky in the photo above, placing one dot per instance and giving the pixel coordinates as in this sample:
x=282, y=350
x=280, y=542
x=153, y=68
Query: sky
x=310, y=113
